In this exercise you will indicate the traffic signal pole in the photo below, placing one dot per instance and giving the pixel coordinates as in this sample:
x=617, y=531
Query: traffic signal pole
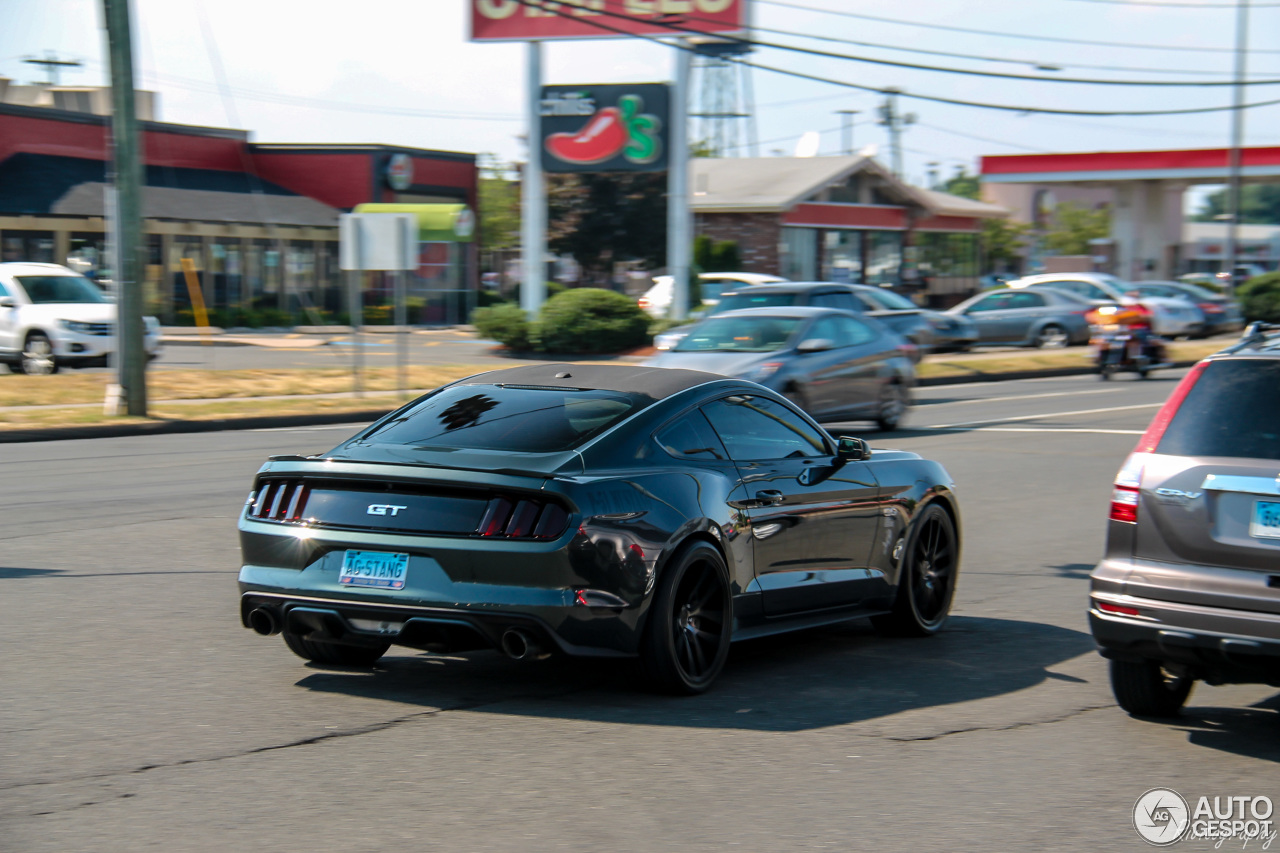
x=127, y=168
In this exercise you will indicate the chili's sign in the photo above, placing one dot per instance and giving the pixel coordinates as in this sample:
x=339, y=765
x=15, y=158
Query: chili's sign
x=617, y=128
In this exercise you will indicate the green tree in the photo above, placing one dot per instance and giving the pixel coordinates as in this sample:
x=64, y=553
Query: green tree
x=604, y=217
x=963, y=184
x=499, y=201
x=1259, y=205
x=1003, y=241
x=1074, y=225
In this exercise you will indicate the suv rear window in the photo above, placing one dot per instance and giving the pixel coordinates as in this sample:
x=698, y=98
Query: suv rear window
x=521, y=419
x=1232, y=410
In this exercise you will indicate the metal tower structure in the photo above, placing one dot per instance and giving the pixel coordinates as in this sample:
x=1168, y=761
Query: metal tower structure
x=723, y=102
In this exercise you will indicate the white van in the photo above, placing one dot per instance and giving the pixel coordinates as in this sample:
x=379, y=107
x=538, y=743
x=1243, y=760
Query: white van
x=52, y=317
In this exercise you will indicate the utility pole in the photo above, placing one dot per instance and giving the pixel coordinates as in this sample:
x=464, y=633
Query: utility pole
x=895, y=122
x=846, y=129
x=52, y=64
x=1237, y=140
x=128, y=208
x=934, y=183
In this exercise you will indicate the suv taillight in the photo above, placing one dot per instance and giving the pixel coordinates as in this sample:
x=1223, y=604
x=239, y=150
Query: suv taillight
x=1124, y=504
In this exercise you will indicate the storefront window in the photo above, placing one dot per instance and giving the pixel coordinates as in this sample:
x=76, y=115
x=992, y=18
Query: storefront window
x=842, y=256
x=948, y=263
x=884, y=257
x=87, y=254
x=29, y=246
x=799, y=259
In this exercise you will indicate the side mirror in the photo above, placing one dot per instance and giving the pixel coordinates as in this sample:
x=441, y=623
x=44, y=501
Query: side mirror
x=850, y=449
x=7, y=302
x=816, y=345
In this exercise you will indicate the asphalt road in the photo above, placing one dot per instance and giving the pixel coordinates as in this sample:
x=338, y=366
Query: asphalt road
x=136, y=714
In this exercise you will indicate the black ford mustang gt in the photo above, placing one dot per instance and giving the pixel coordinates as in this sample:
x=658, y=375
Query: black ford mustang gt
x=594, y=510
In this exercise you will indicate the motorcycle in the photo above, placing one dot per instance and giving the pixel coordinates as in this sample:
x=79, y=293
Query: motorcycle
x=1123, y=341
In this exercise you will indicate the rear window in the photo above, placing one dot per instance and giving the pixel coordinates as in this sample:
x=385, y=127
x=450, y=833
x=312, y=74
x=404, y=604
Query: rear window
x=1233, y=410
x=891, y=301
x=757, y=300
x=521, y=419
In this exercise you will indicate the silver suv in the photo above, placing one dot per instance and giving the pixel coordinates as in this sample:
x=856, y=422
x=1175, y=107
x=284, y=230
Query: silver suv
x=1189, y=586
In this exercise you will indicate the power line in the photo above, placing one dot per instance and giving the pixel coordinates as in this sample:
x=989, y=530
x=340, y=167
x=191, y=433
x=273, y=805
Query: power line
x=977, y=138
x=680, y=45
x=1028, y=37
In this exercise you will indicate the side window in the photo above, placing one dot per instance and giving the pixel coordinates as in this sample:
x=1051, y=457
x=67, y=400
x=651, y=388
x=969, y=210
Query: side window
x=1026, y=300
x=4, y=291
x=853, y=332
x=994, y=302
x=827, y=328
x=839, y=300
x=868, y=304
x=756, y=429
x=1086, y=289
x=690, y=437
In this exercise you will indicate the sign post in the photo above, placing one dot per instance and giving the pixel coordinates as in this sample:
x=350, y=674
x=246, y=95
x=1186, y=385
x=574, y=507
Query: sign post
x=375, y=241
x=533, y=201
x=679, y=232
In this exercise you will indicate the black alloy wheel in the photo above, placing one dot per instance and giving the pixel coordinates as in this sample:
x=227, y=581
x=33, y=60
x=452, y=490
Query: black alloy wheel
x=1149, y=688
x=686, y=641
x=341, y=654
x=927, y=578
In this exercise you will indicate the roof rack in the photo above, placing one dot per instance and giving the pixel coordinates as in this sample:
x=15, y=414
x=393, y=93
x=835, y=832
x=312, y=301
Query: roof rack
x=1256, y=334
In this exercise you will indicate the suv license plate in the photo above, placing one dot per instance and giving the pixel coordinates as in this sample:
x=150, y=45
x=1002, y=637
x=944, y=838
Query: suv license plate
x=382, y=570
x=1266, y=520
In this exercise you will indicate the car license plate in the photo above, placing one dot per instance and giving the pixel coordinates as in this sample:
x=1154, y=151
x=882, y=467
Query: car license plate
x=1266, y=520
x=379, y=569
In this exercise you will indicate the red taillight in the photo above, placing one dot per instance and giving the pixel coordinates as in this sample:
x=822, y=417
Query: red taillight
x=1116, y=608
x=1151, y=438
x=1124, y=504
x=1211, y=308
x=642, y=302
x=524, y=519
x=280, y=500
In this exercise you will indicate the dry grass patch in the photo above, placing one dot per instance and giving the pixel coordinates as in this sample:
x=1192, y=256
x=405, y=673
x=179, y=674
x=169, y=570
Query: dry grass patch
x=982, y=364
x=25, y=419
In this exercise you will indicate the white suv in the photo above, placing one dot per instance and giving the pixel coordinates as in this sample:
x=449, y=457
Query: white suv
x=51, y=317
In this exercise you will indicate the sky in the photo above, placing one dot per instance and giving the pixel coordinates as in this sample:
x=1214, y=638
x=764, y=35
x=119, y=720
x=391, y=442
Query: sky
x=403, y=72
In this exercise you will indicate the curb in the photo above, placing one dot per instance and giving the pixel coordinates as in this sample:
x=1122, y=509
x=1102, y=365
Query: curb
x=72, y=433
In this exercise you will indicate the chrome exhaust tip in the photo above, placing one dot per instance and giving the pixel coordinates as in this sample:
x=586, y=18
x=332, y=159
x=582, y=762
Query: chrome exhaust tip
x=518, y=645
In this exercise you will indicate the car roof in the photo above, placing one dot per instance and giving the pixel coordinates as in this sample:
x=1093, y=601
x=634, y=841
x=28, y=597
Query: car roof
x=1258, y=339
x=792, y=287
x=655, y=382
x=32, y=268
x=1045, y=278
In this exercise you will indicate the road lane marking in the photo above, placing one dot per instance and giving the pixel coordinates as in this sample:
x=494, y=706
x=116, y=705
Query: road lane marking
x=1060, y=429
x=1025, y=396
x=1047, y=415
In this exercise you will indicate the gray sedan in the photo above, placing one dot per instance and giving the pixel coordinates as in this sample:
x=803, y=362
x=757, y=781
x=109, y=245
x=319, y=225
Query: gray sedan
x=1042, y=317
x=830, y=363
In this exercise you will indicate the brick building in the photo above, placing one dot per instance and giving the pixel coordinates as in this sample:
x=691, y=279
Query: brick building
x=841, y=219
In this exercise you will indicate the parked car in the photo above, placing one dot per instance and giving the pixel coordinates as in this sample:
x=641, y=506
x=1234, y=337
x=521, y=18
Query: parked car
x=1188, y=588
x=1038, y=317
x=1170, y=317
x=828, y=362
x=928, y=330
x=52, y=317
x=657, y=299
x=1221, y=313
x=594, y=510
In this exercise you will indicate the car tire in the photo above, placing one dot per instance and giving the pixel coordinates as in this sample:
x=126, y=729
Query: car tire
x=342, y=654
x=1147, y=689
x=894, y=400
x=686, y=641
x=1052, y=336
x=927, y=578
x=37, y=357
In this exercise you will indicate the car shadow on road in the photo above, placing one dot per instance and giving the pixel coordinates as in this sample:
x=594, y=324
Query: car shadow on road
x=793, y=682
x=1250, y=732
x=10, y=572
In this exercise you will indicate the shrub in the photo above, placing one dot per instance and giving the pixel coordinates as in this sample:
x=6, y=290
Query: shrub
x=505, y=324
x=488, y=298
x=590, y=320
x=1260, y=298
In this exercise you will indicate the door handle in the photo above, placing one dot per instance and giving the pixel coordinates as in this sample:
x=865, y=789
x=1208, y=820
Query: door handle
x=769, y=497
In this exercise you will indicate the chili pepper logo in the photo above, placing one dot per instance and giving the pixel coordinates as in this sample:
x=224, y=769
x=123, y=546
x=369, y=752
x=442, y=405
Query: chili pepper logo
x=623, y=129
